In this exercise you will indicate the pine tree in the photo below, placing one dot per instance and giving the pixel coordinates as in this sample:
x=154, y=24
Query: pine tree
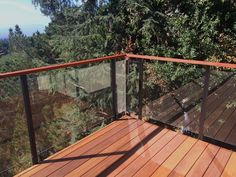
x=11, y=40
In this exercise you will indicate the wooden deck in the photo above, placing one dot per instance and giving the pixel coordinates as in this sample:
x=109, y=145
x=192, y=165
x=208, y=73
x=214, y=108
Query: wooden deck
x=181, y=108
x=131, y=147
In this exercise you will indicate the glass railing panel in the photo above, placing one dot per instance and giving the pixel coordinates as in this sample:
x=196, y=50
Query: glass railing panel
x=132, y=89
x=15, y=153
x=121, y=85
x=220, y=122
x=68, y=104
x=172, y=94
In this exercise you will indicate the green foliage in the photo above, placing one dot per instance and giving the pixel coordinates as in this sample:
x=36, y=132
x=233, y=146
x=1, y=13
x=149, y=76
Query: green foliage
x=68, y=125
x=132, y=87
x=15, y=61
x=10, y=87
x=17, y=40
x=174, y=75
x=52, y=7
x=185, y=29
x=41, y=49
x=15, y=154
x=4, y=46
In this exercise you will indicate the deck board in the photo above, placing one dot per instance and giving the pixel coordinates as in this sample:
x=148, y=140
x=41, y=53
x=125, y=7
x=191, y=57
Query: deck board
x=72, y=147
x=226, y=128
x=230, y=169
x=89, y=150
x=166, y=168
x=220, y=122
x=132, y=167
x=118, y=146
x=218, y=164
x=83, y=169
x=203, y=162
x=156, y=161
x=194, y=112
x=188, y=161
x=213, y=101
x=131, y=147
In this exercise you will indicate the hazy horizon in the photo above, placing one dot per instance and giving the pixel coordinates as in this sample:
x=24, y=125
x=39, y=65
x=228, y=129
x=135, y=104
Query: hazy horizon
x=28, y=30
x=22, y=13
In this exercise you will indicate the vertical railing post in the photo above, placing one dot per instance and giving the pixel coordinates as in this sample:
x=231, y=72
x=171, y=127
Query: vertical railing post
x=77, y=79
x=114, y=88
x=204, y=103
x=28, y=114
x=126, y=85
x=140, y=94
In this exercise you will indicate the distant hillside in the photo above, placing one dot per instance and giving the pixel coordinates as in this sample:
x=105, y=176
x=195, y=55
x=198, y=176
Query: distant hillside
x=27, y=30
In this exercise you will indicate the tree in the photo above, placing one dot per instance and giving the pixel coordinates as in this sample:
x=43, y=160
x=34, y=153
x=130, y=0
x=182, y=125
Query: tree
x=52, y=7
x=11, y=40
x=41, y=49
x=17, y=40
x=186, y=29
x=4, y=47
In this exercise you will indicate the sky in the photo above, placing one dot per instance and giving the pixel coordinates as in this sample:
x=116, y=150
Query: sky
x=23, y=13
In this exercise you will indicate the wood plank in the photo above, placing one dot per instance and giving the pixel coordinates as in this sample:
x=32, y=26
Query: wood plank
x=226, y=128
x=74, y=146
x=131, y=166
x=136, y=148
x=181, y=120
x=212, y=108
x=169, y=113
x=213, y=101
x=140, y=152
x=219, y=110
x=161, y=156
x=107, y=166
x=218, y=164
x=188, y=161
x=230, y=170
x=194, y=113
x=161, y=104
x=231, y=139
x=218, y=77
x=190, y=92
x=214, y=128
x=86, y=166
x=108, y=152
x=166, y=107
x=203, y=162
x=121, y=130
x=180, y=94
x=218, y=124
x=166, y=168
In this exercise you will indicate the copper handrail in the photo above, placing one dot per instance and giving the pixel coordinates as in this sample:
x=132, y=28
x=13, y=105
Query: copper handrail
x=93, y=60
x=58, y=66
x=185, y=61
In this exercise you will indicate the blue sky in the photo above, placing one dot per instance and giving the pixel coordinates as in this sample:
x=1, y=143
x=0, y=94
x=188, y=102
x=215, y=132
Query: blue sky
x=23, y=13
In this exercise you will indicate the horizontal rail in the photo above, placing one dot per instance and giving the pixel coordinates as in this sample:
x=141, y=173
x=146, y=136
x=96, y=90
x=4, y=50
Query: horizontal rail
x=186, y=61
x=93, y=60
x=58, y=66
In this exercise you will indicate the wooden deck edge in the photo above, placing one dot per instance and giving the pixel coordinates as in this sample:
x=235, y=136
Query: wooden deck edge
x=124, y=117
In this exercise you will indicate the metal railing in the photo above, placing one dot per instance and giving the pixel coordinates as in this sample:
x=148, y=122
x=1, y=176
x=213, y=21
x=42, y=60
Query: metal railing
x=22, y=74
x=208, y=67
x=140, y=58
